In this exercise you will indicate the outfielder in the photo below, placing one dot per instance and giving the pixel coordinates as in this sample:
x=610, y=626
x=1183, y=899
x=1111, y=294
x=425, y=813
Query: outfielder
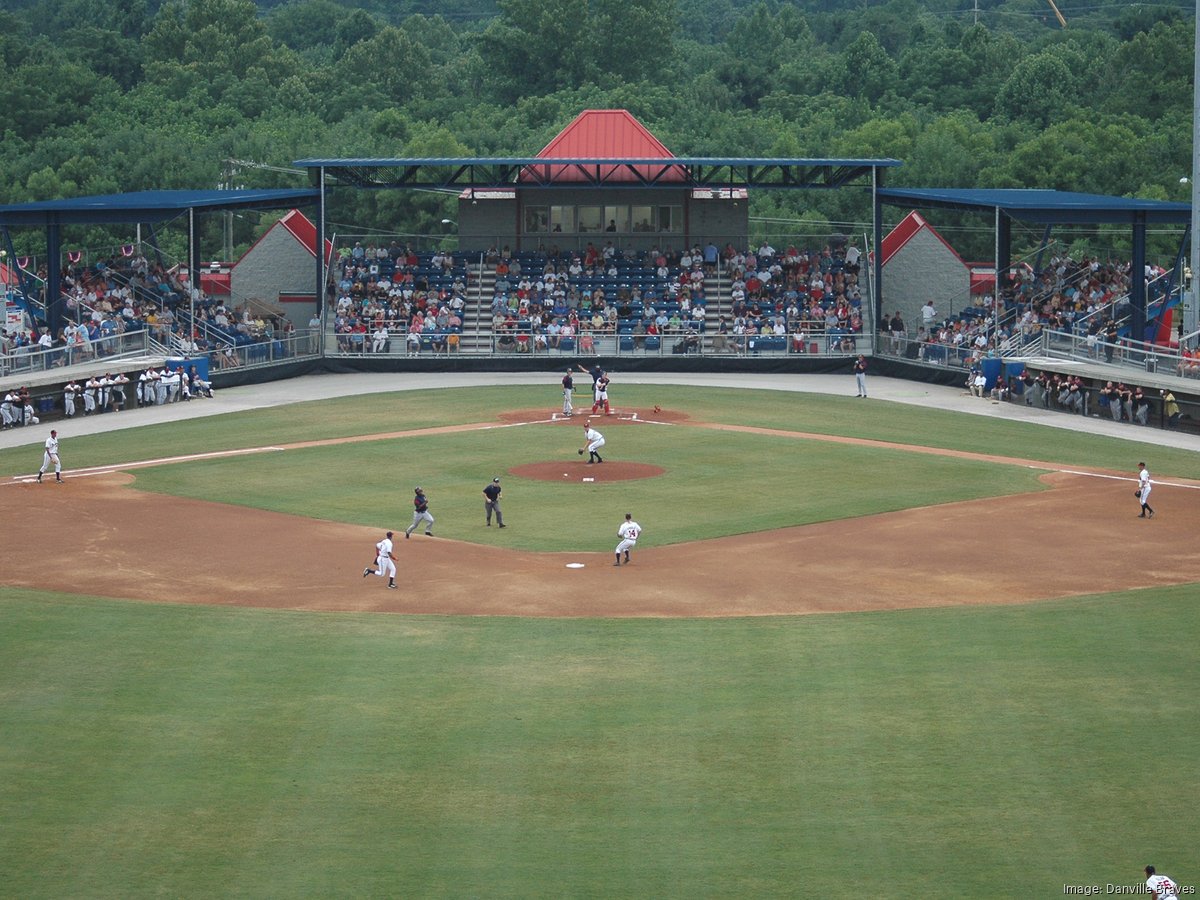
x=1143, y=492
x=628, y=533
x=385, y=562
x=594, y=441
x=51, y=457
x=420, y=514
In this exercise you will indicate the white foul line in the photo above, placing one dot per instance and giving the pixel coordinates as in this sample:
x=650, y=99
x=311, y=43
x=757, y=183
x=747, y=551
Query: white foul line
x=145, y=463
x=1190, y=487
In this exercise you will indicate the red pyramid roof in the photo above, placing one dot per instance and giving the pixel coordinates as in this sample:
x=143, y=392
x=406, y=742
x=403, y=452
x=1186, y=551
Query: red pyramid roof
x=604, y=134
x=909, y=227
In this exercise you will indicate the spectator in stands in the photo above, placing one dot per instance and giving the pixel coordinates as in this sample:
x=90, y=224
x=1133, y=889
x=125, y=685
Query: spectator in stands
x=896, y=332
x=720, y=341
x=379, y=338
x=1111, y=336
x=1189, y=365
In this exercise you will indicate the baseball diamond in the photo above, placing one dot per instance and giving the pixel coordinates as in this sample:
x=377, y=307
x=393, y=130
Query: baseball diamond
x=779, y=665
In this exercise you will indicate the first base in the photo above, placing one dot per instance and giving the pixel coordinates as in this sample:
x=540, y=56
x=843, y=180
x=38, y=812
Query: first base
x=574, y=565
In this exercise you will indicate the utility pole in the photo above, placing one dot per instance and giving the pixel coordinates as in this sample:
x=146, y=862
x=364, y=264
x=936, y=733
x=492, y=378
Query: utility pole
x=1190, y=311
x=229, y=172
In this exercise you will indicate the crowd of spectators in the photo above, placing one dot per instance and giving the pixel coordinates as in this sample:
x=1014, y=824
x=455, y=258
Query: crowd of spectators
x=390, y=297
x=661, y=294
x=1086, y=297
x=126, y=294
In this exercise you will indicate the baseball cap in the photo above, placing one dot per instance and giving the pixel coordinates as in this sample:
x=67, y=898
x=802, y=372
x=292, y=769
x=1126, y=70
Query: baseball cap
x=496, y=480
x=417, y=488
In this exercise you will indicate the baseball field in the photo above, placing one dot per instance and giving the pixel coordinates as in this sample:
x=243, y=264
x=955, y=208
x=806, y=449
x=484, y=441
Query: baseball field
x=862, y=649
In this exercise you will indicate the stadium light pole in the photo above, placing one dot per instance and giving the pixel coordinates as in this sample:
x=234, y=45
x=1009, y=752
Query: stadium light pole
x=1191, y=311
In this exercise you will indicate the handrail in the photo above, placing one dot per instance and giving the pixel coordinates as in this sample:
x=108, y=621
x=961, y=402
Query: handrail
x=114, y=347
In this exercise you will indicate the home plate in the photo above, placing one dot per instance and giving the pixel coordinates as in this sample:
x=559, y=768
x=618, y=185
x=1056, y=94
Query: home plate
x=574, y=565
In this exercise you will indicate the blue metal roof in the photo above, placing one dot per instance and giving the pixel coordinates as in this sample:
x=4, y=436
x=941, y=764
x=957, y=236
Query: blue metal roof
x=596, y=172
x=1044, y=206
x=382, y=162
x=148, y=206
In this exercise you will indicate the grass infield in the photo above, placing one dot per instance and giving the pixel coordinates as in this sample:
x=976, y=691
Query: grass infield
x=976, y=752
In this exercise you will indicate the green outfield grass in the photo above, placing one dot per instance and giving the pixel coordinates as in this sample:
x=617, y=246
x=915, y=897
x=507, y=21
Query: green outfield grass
x=172, y=751
x=988, y=752
x=408, y=410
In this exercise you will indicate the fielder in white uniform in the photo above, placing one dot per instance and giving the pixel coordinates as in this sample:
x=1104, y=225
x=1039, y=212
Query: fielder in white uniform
x=50, y=457
x=1160, y=887
x=594, y=441
x=385, y=562
x=1145, y=485
x=628, y=533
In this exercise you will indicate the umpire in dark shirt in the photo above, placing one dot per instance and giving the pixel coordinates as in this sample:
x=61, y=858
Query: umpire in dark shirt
x=491, y=502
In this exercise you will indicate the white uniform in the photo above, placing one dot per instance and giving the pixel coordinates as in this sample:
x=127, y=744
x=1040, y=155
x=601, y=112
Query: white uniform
x=1161, y=887
x=91, y=391
x=595, y=440
x=8, y=410
x=1146, y=485
x=69, y=394
x=628, y=533
x=50, y=458
x=384, y=564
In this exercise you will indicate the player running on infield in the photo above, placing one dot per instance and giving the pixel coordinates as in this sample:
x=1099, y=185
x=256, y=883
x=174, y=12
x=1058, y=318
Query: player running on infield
x=385, y=562
x=420, y=514
x=628, y=533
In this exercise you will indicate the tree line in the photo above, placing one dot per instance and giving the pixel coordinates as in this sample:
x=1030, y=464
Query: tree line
x=103, y=96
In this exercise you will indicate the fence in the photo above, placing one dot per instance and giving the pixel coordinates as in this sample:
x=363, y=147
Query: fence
x=30, y=359
x=399, y=343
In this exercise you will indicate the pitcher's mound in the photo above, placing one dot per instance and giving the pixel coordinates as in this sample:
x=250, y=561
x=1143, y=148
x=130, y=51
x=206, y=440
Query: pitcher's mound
x=575, y=471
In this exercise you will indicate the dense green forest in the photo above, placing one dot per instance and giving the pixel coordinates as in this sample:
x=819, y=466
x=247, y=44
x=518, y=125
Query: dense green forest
x=100, y=96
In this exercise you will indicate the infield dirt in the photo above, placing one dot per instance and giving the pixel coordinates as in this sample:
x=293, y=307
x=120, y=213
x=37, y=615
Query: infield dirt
x=1082, y=536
